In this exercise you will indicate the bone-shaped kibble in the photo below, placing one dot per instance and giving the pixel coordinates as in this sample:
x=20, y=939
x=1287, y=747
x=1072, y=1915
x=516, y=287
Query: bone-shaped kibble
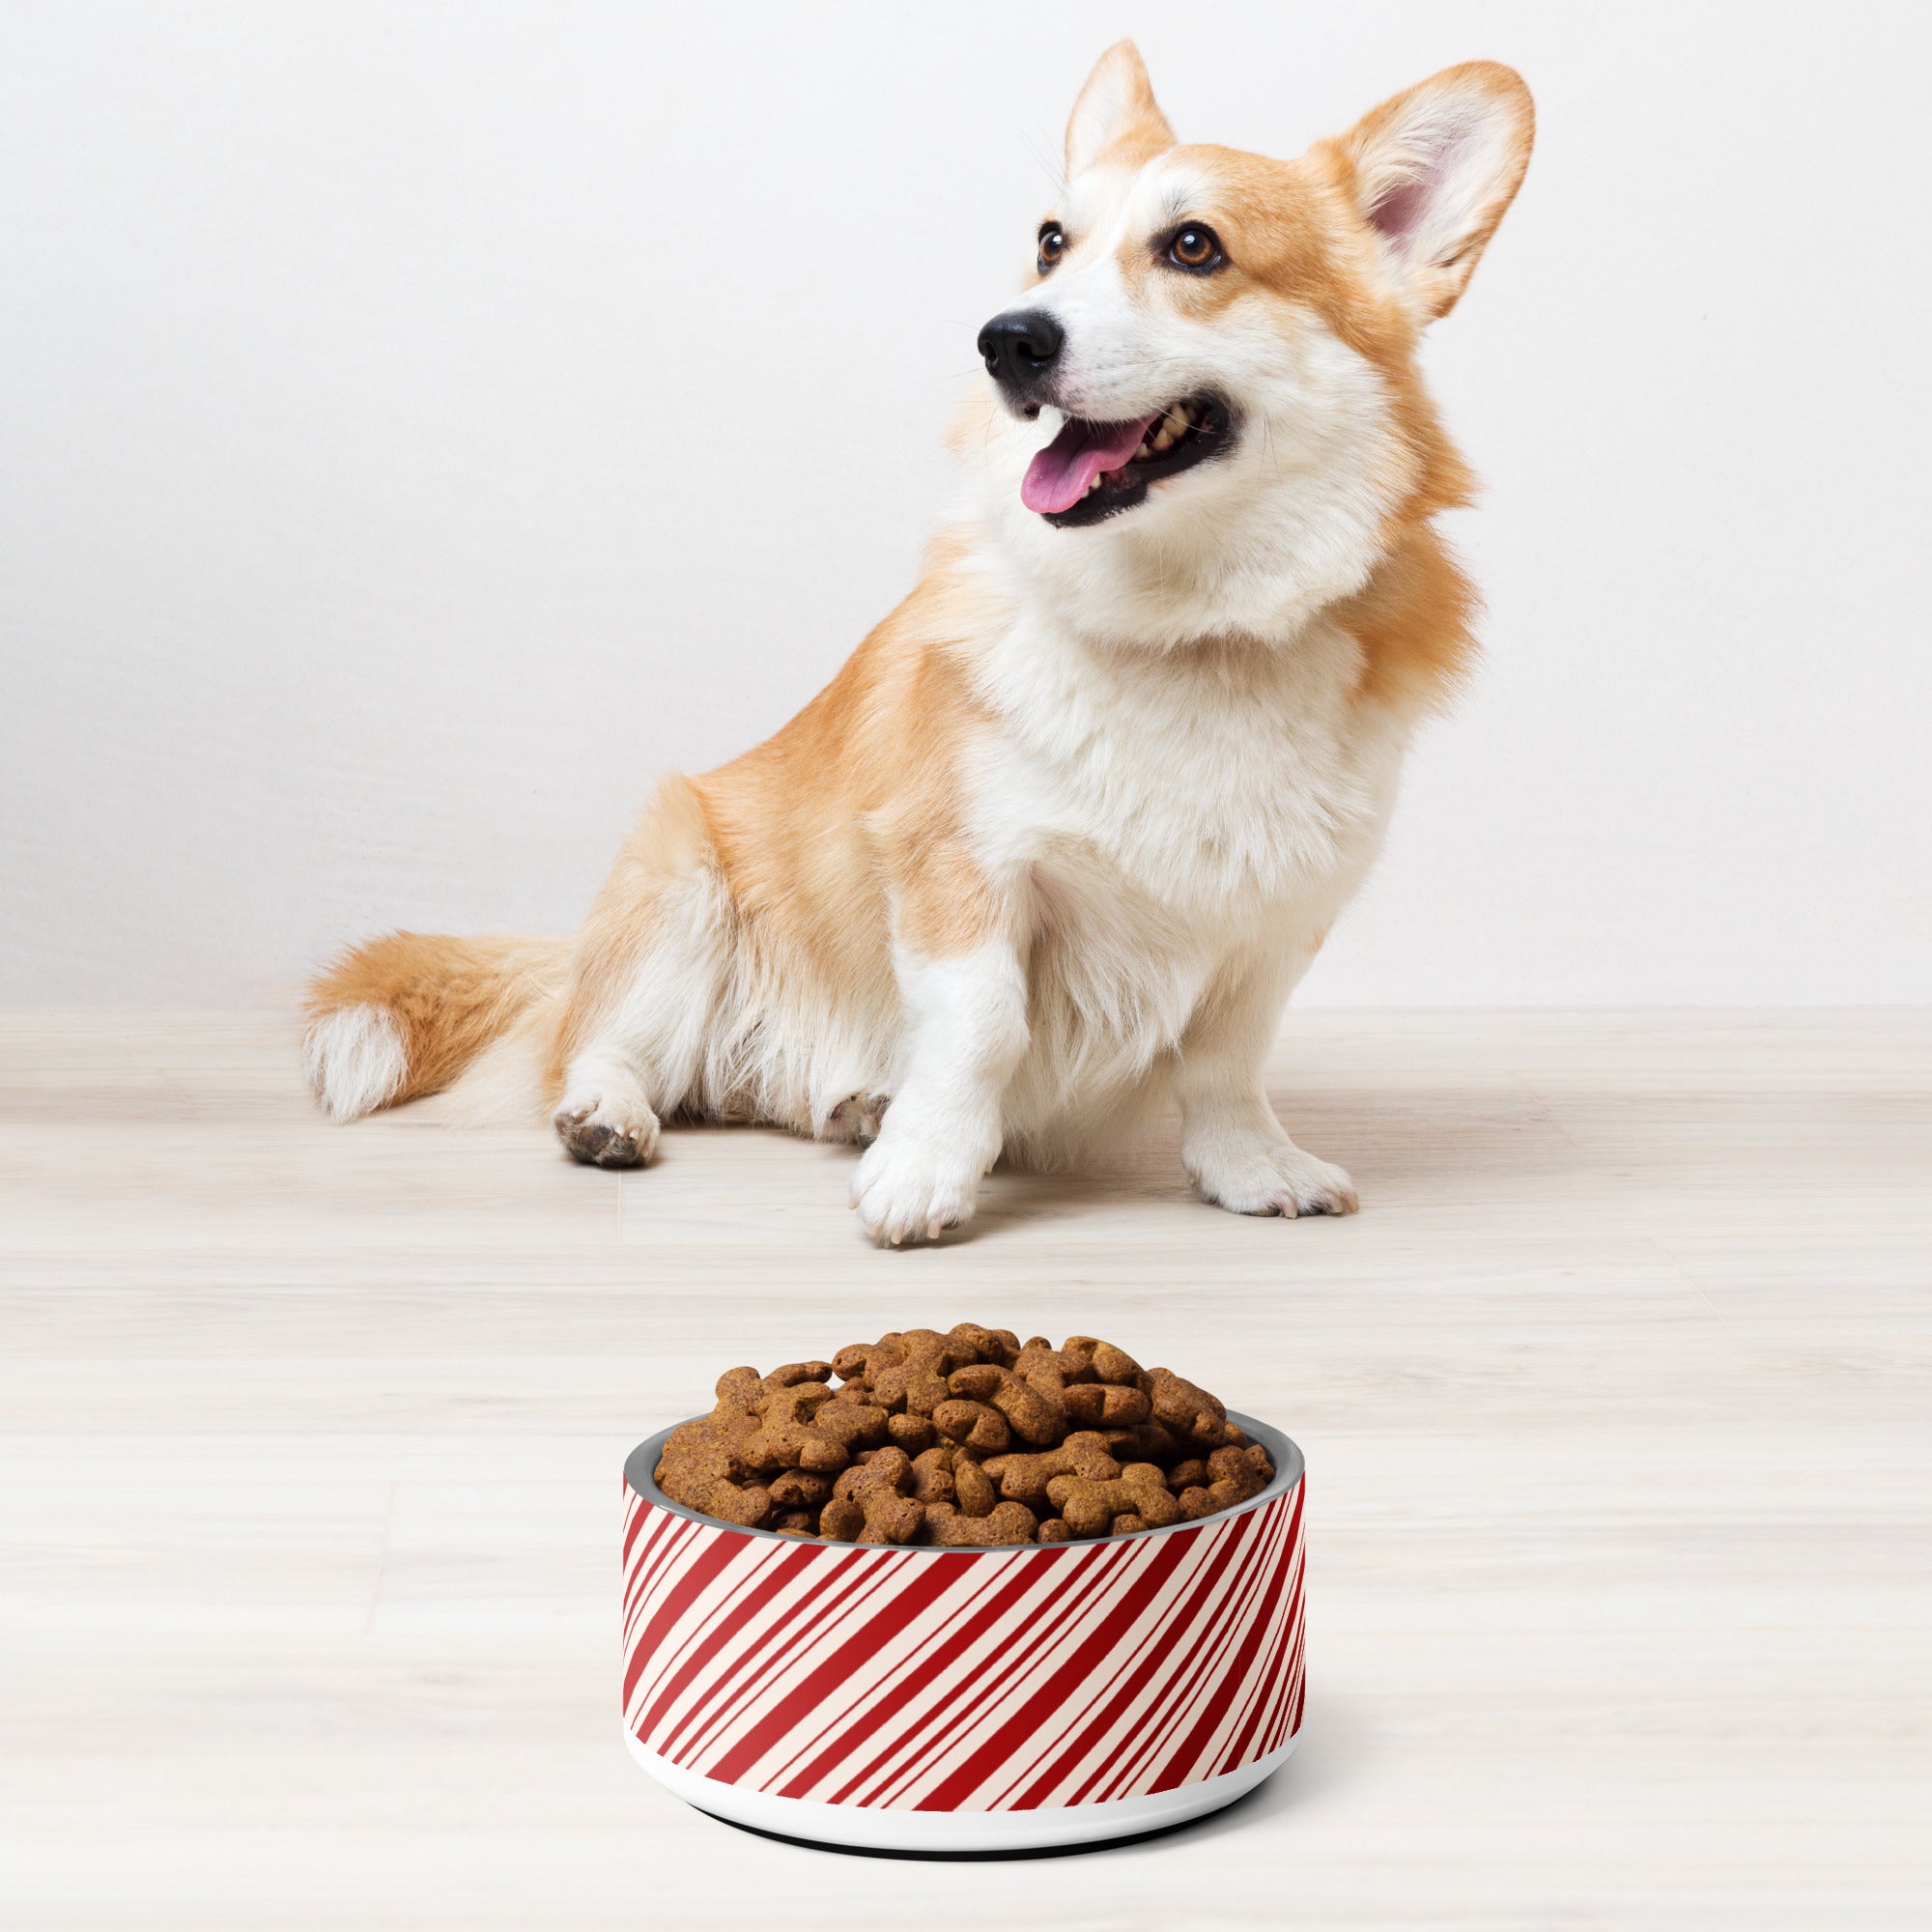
x=1024, y=1477
x=909, y=1374
x=1149, y=1442
x=707, y=1460
x=932, y=1475
x=746, y=1388
x=697, y=1478
x=786, y=1438
x=972, y=1423
x=1233, y=1475
x=767, y=1419
x=998, y=1346
x=1192, y=1414
x=1101, y=1360
x=1005, y=1526
x=852, y=1424
x=850, y=1363
x=800, y=1488
x=1034, y=1417
x=870, y=1504
x=1044, y=1368
x=1226, y=1465
x=1089, y=1508
x=913, y=1433
x=1105, y=1404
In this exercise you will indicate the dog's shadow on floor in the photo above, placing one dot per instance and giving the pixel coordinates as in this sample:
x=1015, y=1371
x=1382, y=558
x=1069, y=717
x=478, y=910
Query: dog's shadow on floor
x=1476, y=1142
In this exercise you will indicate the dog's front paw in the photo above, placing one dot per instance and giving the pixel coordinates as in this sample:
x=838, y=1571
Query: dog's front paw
x=604, y=1128
x=1252, y=1176
x=905, y=1189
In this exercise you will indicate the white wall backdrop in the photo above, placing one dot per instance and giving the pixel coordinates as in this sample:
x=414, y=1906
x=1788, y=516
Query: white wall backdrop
x=420, y=424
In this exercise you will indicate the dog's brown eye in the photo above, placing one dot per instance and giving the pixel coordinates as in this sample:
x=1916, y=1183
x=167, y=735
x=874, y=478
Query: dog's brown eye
x=1052, y=245
x=1194, y=248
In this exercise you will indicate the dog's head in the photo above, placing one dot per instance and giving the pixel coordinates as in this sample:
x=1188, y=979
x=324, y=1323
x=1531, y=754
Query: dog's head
x=1203, y=413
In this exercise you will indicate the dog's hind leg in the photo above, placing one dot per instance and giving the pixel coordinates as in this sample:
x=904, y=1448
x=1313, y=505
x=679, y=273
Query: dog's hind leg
x=646, y=981
x=1231, y=1143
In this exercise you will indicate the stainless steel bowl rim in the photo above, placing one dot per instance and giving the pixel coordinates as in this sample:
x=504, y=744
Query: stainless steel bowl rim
x=1286, y=1456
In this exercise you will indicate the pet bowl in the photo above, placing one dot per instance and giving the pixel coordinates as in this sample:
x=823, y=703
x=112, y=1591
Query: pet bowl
x=916, y=1699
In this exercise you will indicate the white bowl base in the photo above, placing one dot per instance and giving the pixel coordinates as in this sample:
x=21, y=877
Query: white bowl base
x=886, y=1831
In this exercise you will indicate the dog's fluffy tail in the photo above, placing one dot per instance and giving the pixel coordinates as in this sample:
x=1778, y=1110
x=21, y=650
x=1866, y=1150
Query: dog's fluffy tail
x=405, y=1014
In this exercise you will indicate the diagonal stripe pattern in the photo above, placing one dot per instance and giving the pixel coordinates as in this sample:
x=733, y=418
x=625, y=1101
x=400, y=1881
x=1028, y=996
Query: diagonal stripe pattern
x=964, y=1680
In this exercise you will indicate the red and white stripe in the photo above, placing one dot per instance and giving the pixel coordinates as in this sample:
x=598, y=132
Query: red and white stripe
x=963, y=1680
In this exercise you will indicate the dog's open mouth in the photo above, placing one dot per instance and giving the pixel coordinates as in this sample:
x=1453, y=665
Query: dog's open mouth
x=1091, y=470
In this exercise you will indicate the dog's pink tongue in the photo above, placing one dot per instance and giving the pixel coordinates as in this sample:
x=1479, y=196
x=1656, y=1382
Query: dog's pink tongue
x=1056, y=479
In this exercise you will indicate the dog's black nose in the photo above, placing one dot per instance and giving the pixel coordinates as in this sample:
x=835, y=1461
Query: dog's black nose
x=1021, y=347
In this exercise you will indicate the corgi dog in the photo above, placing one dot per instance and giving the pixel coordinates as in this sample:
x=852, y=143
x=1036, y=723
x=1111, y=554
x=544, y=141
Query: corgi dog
x=1056, y=844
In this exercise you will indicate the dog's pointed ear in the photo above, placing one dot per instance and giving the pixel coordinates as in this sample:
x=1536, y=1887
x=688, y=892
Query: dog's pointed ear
x=1116, y=109
x=1433, y=171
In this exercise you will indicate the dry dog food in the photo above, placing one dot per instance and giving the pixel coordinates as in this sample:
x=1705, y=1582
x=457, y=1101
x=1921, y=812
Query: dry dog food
x=967, y=1438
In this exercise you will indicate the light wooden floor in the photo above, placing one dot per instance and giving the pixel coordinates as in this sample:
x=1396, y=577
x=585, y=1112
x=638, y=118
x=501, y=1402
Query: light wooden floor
x=1614, y=1398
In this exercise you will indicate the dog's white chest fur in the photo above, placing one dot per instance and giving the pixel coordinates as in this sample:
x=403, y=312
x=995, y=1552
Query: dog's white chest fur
x=1179, y=811
x=1227, y=785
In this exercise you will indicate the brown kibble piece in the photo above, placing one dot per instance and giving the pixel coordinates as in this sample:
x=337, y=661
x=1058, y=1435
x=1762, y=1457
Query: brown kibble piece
x=908, y=1372
x=740, y=1389
x=1006, y=1526
x=697, y=1480
x=843, y=1520
x=877, y=1489
x=1045, y=1370
x=972, y=1423
x=721, y=1438
x=793, y=1373
x=1024, y=1477
x=1034, y=1417
x=973, y=1488
x=999, y=1345
x=849, y=1364
x=1053, y=1529
x=799, y=1488
x=1190, y=1412
x=912, y=1432
x=1101, y=1360
x=1233, y=1475
x=852, y=1425
x=1187, y=1475
x=932, y=1476
x=1236, y=1475
x=1150, y=1442
x=705, y=1466
x=1105, y=1404
x=786, y=1438
x=1089, y=1508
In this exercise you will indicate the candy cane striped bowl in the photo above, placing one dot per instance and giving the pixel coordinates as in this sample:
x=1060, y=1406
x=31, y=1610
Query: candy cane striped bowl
x=963, y=1700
